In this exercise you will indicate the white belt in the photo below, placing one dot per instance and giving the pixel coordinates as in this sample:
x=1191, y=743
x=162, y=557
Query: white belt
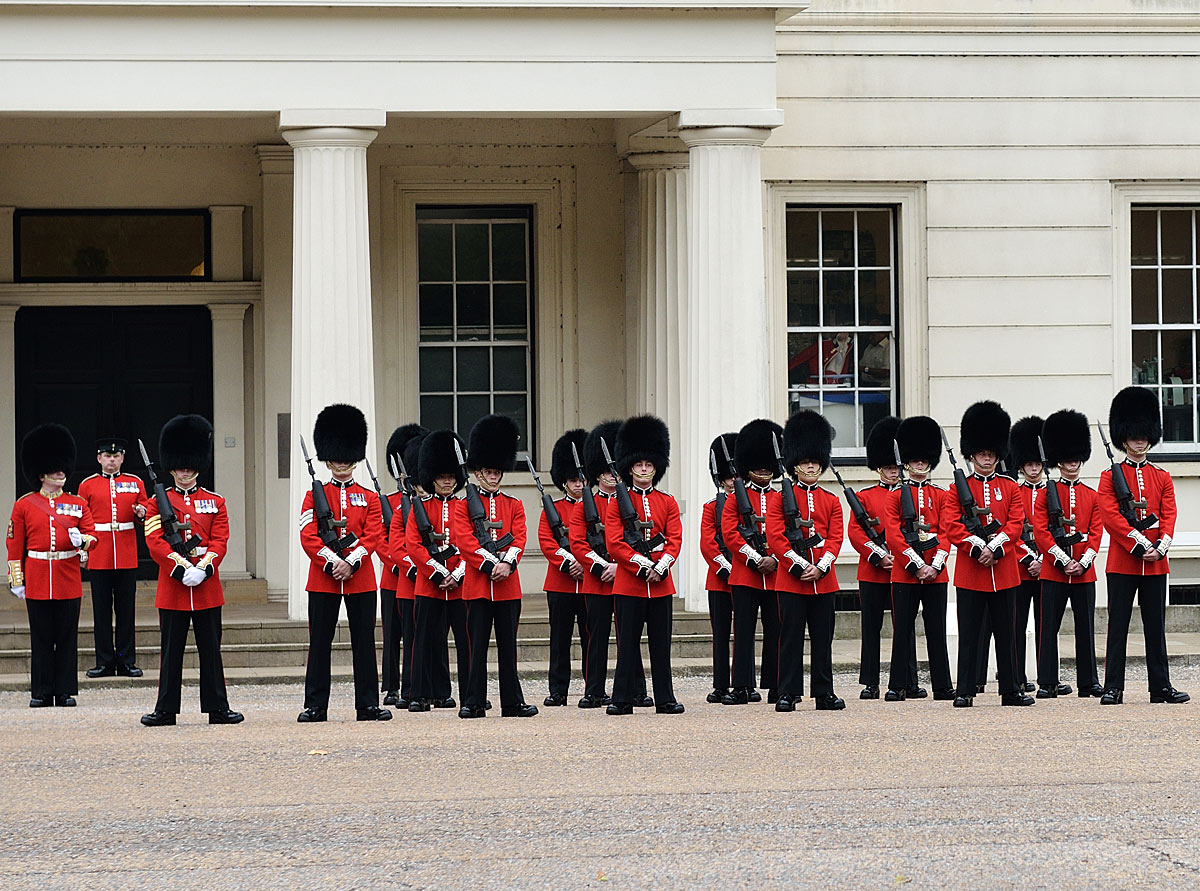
x=113, y=527
x=52, y=555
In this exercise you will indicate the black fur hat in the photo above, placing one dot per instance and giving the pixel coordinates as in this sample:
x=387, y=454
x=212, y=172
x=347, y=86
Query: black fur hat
x=920, y=439
x=985, y=427
x=340, y=434
x=1022, y=442
x=436, y=457
x=724, y=468
x=1134, y=414
x=401, y=437
x=186, y=442
x=643, y=438
x=807, y=436
x=879, y=443
x=412, y=456
x=1067, y=436
x=755, y=451
x=593, y=457
x=492, y=443
x=562, y=462
x=47, y=448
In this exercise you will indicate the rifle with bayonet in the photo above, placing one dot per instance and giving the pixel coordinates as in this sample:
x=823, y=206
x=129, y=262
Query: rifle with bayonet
x=635, y=529
x=916, y=534
x=592, y=526
x=796, y=529
x=748, y=520
x=404, y=499
x=553, y=519
x=385, y=506
x=481, y=526
x=172, y=530
x=327, y=526
x=1056, y=518
x=868, y=524
x=1127, y=507
x=433, y=542
x=971, y=511
x=718, y=510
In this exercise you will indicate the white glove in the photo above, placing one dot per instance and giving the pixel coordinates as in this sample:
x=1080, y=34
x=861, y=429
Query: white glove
x=19, y=592
x=76, y=536
x=193, y=576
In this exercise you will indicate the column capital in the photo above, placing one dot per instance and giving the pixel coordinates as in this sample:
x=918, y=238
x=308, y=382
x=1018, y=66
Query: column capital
x=329, y=137
x=228, y=312
x=658, y=160
x=725, y=126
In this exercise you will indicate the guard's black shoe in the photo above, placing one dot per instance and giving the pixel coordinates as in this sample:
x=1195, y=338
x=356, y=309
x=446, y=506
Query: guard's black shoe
x=1169, y=694
x=69, y=701
x=963, y=701
x=772, y=696
x=669, y=708
x=830, y=702
x=312, y=716
x=736, y=696
x=472, y=711
x=620, y=708
x=1064, y=690
x=590, y=701
x=159, y=719
x=895, y=695
x=785, y=703
x=418, y=705
x=1112, y=697
x=716, y=696
x=102, y=671
x=129, y=671
x=41, y=701
x=917, y=692
x=448, y=702
x=520, y=710
x=555, y=699
x=643, y=701
x=487, y=705
x=1016, y=698
x=1047, y=693
x=1028, y=686
x=753, y=695
x=225, y=716
x=1090, y=690
x=946, y=695
x=402, y=703
x=373, y=713
x=870, y=692
x=391, y=697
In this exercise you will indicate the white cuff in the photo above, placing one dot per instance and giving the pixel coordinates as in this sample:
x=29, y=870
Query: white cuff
x=565, y=554
x=1164, y=545
x=939, y=560
x=1140, y=539
x=597, y=559
x=511, y=555
x=642, y=562
x=328, y=554
x=751, y=555
x=998, y=541
x=1088, y=556
x=914, y=558
x=459, y=571
x=722, y=563
x=882, y=553
x=1059, y=555
x=975, y=542
x=797, y=560
x=357, y=555
x=438, y=568
x=663, y=566
x=826, y=561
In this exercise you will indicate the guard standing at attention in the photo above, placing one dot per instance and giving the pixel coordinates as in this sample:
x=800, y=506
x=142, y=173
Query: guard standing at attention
x=719, y=560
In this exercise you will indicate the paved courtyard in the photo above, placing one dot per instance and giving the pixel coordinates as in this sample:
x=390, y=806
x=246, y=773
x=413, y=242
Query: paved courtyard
x=1064, y=794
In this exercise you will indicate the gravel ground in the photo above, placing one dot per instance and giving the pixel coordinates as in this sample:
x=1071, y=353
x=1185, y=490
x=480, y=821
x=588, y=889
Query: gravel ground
x=1064, y=794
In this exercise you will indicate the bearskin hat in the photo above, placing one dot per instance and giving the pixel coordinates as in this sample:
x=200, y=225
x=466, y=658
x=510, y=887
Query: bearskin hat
x=1067, y=436
x=755, y=450
x=985, y=427
x=562, y=462
x=880, y=452
x=402, y=436
x=920, y=439
x=724, y=468
x=1023, y=442
x=436, y=457
x=643, y=438
x=111, y=444
x=807, y=436
x=186, y=443
x=47, y=448
x=593, y=456
x=340, y=434
x=492, y=443
x=1134, y=414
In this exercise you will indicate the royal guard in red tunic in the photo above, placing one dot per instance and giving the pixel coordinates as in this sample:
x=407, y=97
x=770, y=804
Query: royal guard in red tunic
x=719, y=560
x=489, y=530
x=118, y=502
x=752, y=579
x=644, y=540
x=188, y=550
x=1068, y=542
x=807, y=542
x=396, y=582
x=1140, y=519
x=1025, y=462
x=437, y=608
x=339, y=545
x=987, y=538
x=589, y=545
x=48, y=532
x=917, y=537
x=564, y=573
x=875, y=560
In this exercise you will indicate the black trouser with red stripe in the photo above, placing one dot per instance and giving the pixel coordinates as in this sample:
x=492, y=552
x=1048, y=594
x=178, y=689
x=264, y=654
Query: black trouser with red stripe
x=323, y=609
x=795, y=612
x=207, y=626
x=1151, y=591
x=1024, y=596
x=875, y=598
x=567, y=611
x=747, y=604
x=389, y=673
x=906, y=598
x=631, y=614
x=482, y=616
x=973, y=607
x=1083, y=606
x=53, y=647
x=720, y=618
x=598, y=609
x=114, y=591
x=404, y=609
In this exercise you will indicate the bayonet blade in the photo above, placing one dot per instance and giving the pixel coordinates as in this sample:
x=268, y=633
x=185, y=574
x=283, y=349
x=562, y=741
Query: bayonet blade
x=575, y=455
x=712, y=460
x=142, y=449
x=775, y=446
x=725, y=449
x=403, y=469
x=896, y=452
x=458, y=454
x=608, y=457
x=945, y=441
x=392, y=467
x=304, y=449
x=371, y=472
x=1041, y=450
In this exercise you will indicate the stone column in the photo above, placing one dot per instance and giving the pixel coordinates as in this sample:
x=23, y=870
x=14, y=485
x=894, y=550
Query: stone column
x=229, y=425
x=332, y=355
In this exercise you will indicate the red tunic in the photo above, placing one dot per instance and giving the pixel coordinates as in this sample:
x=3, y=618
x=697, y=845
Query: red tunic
x=1031, y=497
x=874, y=499
x=825, y=510
x=112, y=499
x=397, y=545
x=364, y=520
x=1150, y=483
x=1078, y=501
x=711, y=549
x=999, y=495
x=928, y=498
x=577, y=528
x=744, y=556
x=206, y=512
x=430, y=573
x=556, y=578
x=662, y=510
x=509, y=512
x=40, y=554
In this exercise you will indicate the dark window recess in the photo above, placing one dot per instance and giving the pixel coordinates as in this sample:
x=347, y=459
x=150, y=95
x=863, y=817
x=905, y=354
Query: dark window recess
x=112, y=245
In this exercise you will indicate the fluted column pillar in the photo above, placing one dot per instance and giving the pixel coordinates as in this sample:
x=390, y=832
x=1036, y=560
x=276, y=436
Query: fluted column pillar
x=229, y=422
x=332, y=356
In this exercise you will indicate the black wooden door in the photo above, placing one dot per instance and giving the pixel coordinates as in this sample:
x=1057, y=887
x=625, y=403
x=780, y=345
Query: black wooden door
x=121, y=371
